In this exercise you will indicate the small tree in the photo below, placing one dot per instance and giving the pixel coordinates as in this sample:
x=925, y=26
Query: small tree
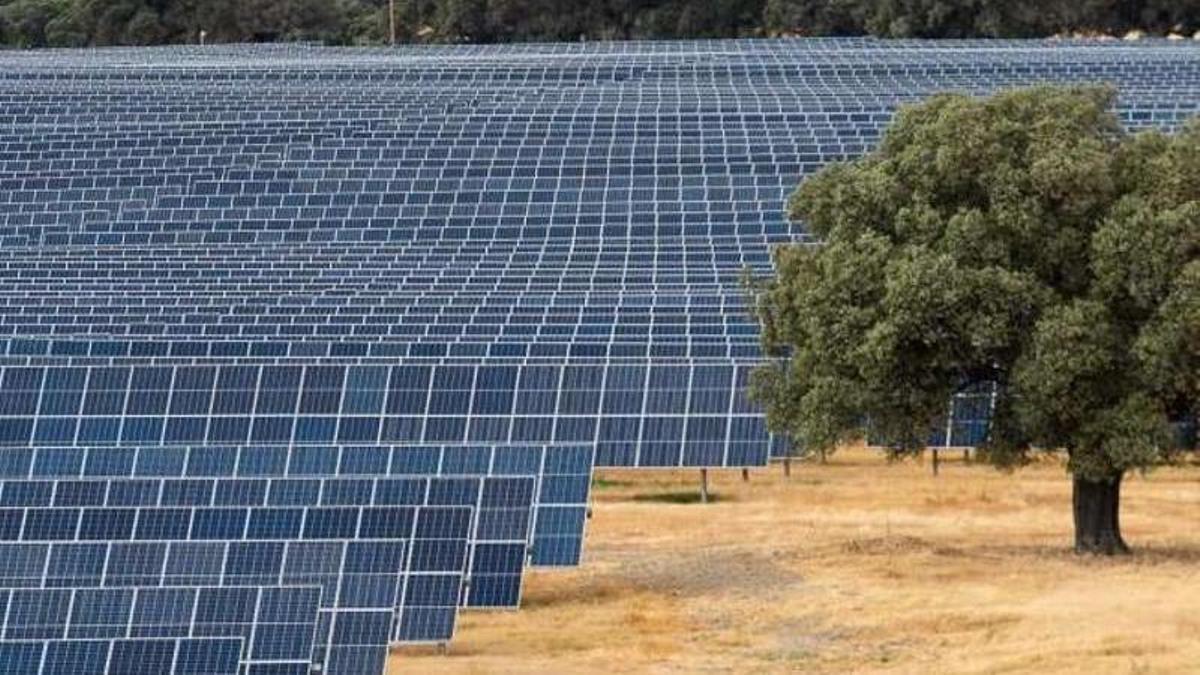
x=1022, y=239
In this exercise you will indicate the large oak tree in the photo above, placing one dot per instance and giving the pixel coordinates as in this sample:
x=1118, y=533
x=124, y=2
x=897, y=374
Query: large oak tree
x=1023, y=239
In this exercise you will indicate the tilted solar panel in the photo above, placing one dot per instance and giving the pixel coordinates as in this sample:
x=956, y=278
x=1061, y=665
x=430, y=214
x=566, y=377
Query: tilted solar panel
x=147, y=656
x=499, y=535
x=386, y=573
x=647, y=414
x=275, y=625
x=230, y=274
x=210, y=475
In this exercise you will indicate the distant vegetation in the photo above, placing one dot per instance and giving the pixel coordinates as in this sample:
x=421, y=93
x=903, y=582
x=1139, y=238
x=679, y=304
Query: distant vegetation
x=41, y=23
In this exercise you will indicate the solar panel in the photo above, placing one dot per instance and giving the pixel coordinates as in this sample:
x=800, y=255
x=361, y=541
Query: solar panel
x=638, y=413
x=178, y=656
x=386, y=573
x=274, y=624
x=499, y=535
x=563, y=507
x=252, y=295
x=969, y=420
x=1185, y=434
x=300, y=462
x=548, y=530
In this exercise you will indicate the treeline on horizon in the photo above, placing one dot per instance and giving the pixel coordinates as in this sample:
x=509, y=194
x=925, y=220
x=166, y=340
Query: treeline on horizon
x=77, y=23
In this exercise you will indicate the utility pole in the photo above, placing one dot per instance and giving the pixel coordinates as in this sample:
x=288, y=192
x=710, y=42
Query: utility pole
x=392, y=20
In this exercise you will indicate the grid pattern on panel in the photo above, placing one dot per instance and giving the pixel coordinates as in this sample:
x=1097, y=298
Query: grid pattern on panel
x=365, y=320
x=965, y=425
x=386, y=573
x=969, y=420
x=639, y=413
x=563, y=491
x=527, y=201
x=145, y=656
x=531, y=504
x=499, y=536
x=561, y=502
x=565, y=499
x=275, y=625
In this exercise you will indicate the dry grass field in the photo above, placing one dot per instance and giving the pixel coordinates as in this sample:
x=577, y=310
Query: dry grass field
x=854, y=566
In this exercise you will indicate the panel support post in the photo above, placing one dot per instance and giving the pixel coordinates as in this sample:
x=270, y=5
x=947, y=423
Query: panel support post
x=745, y=475
x=787, y=467
x=935, y=461
x=966, y=455
x=703, y=486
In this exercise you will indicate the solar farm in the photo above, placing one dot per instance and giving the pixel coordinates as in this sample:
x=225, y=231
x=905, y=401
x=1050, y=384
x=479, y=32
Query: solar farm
x=304, y=351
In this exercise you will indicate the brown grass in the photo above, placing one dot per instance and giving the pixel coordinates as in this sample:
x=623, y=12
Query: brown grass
x=855, y=566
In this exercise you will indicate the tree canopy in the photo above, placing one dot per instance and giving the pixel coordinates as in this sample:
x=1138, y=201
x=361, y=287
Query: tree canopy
x=1024, y=240
x=40, y=23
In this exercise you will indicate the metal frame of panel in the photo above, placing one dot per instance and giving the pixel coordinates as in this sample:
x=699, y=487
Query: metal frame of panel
x=555, y=534
x=275, y=624
x=145, y=656
x=353, y=553
x=638, y=412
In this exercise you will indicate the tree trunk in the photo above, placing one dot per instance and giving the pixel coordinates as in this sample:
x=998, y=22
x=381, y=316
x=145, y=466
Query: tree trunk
x=1097, y=506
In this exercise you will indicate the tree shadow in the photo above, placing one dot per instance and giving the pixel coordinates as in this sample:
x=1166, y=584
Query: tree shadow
x=1142, y=554
x=678, y=497
x=610, y=484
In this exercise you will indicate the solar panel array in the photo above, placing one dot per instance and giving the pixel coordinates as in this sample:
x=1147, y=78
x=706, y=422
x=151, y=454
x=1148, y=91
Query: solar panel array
x=143, y=656
x=344, y=331
x=276, y=622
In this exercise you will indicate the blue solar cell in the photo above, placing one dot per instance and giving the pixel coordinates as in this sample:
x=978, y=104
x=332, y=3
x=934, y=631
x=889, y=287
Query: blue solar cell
x=564, y=475
x=179, y=656
x=466, y=403
x=428, y=544
x=217, y=292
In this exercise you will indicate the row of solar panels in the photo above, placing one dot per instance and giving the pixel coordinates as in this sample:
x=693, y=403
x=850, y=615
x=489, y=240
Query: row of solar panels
x=143, y=656
x=33, y=351
x=446, y=137
x=33, y=105
x=924, y=50
x=652, y=328
x=315, y=556
x=514, y=343
x=558, y=122
x=336, y=227
x=647, y=413
x=56, y=231
x=808, y=77
x=159, y=492
x=967, y=423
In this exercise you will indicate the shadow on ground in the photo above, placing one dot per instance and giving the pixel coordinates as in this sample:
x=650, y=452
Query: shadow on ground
x=679, y=497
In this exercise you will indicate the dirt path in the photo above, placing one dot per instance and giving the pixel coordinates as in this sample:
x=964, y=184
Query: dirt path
x=854, y=566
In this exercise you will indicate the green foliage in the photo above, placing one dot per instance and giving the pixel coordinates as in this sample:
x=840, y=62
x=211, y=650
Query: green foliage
x=977, y=18
x=1022, y=239
x=36, y=23
x=40, y=23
